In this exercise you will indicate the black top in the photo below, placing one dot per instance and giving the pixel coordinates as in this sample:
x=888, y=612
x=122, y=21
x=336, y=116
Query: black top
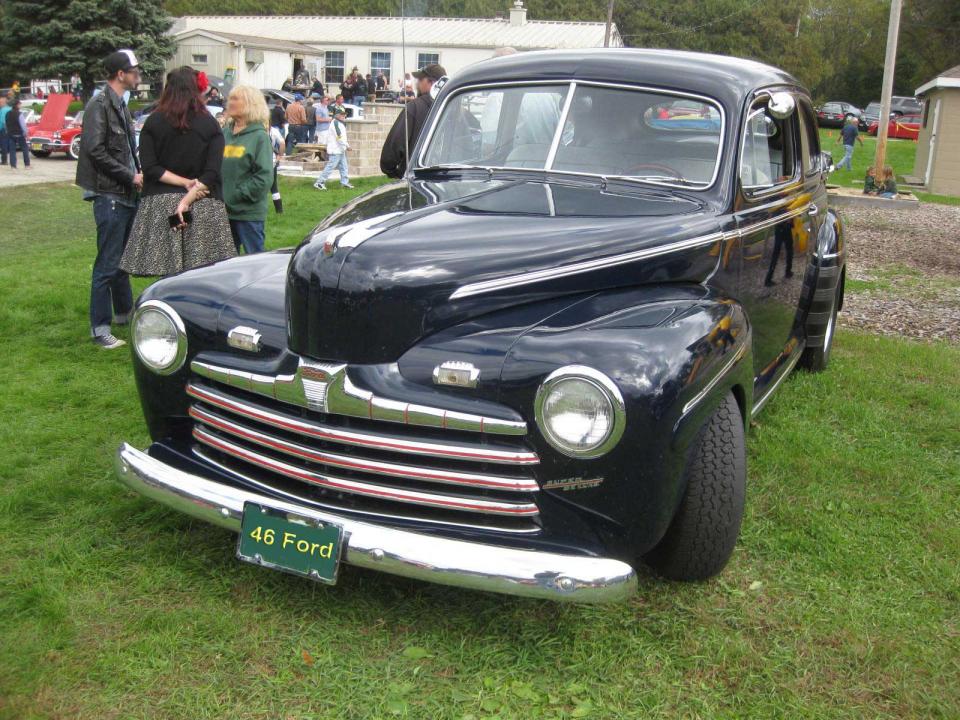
x=193, y=153
x=393, y=156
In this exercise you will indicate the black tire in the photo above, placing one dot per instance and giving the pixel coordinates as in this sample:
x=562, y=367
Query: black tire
x=704, y=531
x=40, y=153
x=816, y=356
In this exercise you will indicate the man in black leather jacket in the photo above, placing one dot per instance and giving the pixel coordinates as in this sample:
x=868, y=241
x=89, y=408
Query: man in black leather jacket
x=108, y=171
x=408, y=125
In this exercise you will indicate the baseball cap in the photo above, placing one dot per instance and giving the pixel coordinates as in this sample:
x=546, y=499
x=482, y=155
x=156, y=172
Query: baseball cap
x=298, y=96
x=120, y=60
x=434, y=72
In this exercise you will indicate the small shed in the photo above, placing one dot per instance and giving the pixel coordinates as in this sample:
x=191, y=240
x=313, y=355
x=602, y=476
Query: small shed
x=938, y=147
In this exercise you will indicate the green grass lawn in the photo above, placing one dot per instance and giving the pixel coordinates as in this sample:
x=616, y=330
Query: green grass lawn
x=841, y=601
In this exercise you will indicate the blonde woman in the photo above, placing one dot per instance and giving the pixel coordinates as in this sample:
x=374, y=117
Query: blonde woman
x=247, y=166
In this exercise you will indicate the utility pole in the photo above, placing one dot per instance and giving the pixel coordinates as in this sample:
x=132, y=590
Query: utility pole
x=606, y=34
x=888, y=66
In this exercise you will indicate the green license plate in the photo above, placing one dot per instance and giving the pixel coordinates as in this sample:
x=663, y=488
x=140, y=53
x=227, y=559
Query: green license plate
x=300, y=546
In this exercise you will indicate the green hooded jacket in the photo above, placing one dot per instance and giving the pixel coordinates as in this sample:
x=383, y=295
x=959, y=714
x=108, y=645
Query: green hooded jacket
x=247, y=172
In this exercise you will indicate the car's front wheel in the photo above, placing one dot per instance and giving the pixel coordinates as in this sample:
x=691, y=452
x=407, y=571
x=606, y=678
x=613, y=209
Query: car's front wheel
x=75, y=148
x=704, y=531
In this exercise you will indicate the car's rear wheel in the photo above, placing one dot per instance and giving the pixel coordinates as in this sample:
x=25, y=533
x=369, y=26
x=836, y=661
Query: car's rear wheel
x=704, y=531
x=40, y=153
x=75, y=148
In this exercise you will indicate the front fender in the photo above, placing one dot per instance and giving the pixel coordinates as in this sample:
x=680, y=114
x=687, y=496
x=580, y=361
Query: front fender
x=674, y=352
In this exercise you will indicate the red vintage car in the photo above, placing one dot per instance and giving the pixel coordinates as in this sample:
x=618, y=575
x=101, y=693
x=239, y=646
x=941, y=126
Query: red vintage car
x=906, y=127
x=52, y=134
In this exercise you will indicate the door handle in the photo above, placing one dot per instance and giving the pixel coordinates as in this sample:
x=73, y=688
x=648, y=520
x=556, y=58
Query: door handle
x=813, y=209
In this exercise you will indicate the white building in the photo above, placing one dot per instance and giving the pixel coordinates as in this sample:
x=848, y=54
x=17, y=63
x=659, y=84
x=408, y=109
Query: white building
x=266, y=50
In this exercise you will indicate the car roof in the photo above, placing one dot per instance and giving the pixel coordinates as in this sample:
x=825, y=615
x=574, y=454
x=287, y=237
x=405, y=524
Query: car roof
x=728, y=79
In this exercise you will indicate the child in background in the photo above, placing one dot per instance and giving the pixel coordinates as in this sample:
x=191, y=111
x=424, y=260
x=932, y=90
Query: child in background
x=870, y=182
x=889, y=187
x=337, y=146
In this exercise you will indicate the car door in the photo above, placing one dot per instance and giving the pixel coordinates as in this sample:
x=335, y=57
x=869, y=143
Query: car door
x=777, y=234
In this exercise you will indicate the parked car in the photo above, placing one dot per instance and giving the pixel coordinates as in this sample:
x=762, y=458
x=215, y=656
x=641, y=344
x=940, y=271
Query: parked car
x=835, y=114
x=274, y=96
x=144, y=113
x=54, y=133
x=905, y=106
x=871, y=113
x=527, y=367
x=905, y=127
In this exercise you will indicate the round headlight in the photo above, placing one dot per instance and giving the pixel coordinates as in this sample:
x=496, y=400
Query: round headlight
x=580, y=411
x=159, y=337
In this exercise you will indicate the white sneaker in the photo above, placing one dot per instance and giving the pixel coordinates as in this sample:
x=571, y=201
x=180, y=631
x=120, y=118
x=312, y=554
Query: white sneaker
x=320, y=186
x=108, y=342
x=347, y=185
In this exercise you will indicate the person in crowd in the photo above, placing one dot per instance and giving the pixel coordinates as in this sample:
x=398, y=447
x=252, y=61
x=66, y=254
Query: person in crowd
x=323, y=119
x=311, y=111
x=221, y=119
x=888, y=188
x=371, y=85
x=297, y=122
x=247, y=166
x=359, y=90
x=849, y=135
x=4, y=109
x=279, y=149
x=108, y=172
x=181, y=151
x=287, y=85
x=278, y=116
x=381, y=81
x=870, y=181
x=213, y=96
x=337, y=147
x=16, y=128
x=408, y=125
x=316, y=90
x=406, y=87
x=337, y=103
x=348, y=88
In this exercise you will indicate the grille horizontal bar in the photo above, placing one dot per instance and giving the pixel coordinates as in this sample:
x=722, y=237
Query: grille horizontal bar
x=451, y=451
x=415, y=497
x=438, y=475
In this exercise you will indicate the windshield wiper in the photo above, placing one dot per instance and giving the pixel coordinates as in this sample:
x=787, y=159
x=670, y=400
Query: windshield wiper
x=672, y=179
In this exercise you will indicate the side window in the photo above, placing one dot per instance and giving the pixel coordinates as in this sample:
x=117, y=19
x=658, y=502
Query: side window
x=769, y=154
x=809, y=140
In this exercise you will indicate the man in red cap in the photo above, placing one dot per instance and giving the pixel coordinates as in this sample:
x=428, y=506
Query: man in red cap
x=406, y=130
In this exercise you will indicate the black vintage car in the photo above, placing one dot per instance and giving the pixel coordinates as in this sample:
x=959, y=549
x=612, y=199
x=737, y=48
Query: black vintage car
x=528, y=367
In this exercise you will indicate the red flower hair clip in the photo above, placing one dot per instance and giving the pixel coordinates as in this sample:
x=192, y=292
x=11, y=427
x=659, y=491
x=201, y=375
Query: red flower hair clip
x=202, y=82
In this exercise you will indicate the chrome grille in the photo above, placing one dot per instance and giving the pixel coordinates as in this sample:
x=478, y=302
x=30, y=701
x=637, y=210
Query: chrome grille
x=367, y=466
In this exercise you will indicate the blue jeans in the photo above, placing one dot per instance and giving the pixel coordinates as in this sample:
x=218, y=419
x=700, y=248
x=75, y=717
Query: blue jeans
x=335, y=162
x=3, y=147
x=358, y=100
x=847, y=157
x=110, y=286
x=248, y=234
x=13, y=142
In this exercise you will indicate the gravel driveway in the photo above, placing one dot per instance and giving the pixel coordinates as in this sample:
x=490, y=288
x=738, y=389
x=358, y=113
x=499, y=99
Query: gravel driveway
x=903, y=272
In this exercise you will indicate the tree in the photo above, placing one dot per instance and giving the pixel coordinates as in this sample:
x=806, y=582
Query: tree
x=61, y=38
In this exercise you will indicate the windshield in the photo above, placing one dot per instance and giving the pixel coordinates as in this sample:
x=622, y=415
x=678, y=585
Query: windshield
x=596, y=130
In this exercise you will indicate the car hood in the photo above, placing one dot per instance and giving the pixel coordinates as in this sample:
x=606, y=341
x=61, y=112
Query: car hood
x=403, y=262
x=54, y=111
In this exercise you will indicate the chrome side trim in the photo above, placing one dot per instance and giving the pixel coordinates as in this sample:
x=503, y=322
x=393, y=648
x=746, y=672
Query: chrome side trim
x=483, y=522
x=327, y=388
x=436, y=475
x=535, y=276
x=695, y=400
x=448, y=451
x=758, y=404
x=446, y=561
x=357, y=487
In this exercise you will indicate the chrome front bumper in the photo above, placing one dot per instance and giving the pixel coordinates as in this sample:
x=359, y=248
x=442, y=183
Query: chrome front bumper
x=440, y=560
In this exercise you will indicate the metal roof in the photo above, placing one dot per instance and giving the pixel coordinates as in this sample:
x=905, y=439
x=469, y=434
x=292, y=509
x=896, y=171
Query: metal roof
x=248, y=40
x=326, y=31
x=947, y=79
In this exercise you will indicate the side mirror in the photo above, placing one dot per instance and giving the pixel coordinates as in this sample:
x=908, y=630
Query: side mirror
x=781, y=105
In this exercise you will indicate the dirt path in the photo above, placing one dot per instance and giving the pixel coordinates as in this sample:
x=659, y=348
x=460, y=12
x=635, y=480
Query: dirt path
x=903, y=272
x=56, y=168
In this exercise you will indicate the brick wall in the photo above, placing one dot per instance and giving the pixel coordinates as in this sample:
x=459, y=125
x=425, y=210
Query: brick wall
x=367, y=137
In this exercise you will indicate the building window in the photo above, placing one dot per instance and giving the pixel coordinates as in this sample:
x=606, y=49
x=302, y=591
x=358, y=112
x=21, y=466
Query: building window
x=333, y=66
x=380, y=62
x=199, y=59
x=424, y=59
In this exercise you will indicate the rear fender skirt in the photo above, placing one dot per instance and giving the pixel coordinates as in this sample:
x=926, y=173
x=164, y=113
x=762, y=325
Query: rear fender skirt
x=820, y=285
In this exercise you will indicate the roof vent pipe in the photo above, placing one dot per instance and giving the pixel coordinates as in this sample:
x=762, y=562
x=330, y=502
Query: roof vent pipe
x=518, y=14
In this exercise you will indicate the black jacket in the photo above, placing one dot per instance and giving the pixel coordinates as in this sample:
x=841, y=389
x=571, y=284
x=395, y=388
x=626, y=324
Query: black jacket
x=393, y=157
x=193, y=153
x=106, y=146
